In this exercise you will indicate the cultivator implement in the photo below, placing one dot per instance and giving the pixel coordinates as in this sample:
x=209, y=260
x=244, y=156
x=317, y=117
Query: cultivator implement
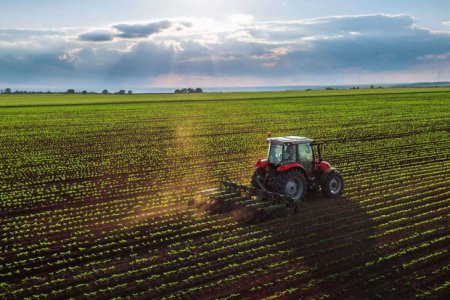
x=245, y=202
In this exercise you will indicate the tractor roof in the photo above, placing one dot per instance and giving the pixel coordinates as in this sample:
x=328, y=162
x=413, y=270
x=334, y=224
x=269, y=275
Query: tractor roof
x=290, y=140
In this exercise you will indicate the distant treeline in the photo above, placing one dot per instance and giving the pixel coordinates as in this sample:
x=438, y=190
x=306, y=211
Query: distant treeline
x=69, y=91
x=188, y=91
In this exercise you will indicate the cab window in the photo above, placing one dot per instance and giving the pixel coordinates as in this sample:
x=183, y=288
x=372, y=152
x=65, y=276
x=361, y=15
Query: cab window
x=289, y=154
x=306, y=156
x=275, y=153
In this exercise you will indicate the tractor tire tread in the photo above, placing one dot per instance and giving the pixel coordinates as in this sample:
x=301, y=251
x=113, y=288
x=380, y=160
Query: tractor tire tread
x=282, y=178
x=325, y=186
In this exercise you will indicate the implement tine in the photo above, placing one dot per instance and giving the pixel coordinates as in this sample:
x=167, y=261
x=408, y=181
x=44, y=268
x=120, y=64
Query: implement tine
x=246, y=202
x=235, y=187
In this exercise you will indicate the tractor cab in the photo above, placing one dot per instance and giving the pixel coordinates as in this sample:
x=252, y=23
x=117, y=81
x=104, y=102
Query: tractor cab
x=291, y=149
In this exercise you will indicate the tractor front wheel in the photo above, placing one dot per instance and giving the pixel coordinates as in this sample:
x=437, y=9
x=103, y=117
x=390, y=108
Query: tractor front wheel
x=333, y=185
x=291, y=183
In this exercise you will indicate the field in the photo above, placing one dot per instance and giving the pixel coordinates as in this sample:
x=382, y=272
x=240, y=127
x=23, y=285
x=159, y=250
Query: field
x=95, y=194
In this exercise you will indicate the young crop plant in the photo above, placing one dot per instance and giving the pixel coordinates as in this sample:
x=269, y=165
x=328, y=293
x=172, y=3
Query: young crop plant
x=96, y=196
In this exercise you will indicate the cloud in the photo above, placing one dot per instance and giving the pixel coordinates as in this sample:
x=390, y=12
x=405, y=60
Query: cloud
x=375, y=26
x=313, y=50
x=131, y=31
x=143, y=60
x=141, y=30
x=25, y=33
x=97, y=36
x=34, y=65
x=29, y=36
x=435, y=57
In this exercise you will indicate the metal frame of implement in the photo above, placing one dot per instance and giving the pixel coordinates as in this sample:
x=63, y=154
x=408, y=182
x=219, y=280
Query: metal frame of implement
x=232, y=196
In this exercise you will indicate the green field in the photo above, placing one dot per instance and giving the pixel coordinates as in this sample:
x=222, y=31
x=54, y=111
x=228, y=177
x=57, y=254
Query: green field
x=95, y=193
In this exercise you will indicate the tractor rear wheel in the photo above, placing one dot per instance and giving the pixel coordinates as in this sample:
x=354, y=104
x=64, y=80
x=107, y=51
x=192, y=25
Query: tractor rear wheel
x=261, y=173
x=291, y=183
x=333, y=185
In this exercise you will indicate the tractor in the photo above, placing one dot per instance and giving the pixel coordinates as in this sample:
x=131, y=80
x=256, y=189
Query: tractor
x=293, y=166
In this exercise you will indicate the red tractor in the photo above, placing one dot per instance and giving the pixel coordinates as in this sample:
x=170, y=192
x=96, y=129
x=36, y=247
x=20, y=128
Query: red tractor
x=293, y=165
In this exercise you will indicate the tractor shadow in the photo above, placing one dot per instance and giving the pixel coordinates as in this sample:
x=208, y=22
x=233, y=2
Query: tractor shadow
x=332, y=237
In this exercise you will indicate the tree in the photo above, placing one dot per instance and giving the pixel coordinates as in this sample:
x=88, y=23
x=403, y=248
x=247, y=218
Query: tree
x=121, y=92
x=130, y=92
x=7, y=91
x=84, y=92
x=188, y=91
x=70, y=91
x=105, y=92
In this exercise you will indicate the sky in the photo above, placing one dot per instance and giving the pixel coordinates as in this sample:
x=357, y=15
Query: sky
x=143, y=45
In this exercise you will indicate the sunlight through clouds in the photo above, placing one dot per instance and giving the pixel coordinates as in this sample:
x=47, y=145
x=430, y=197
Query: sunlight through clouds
x=239, y=47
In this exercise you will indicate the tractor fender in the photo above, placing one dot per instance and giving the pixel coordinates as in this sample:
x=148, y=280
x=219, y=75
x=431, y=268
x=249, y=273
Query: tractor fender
x=262, y=163
x=324, y=166
x=292, y=165
x=325, y=174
